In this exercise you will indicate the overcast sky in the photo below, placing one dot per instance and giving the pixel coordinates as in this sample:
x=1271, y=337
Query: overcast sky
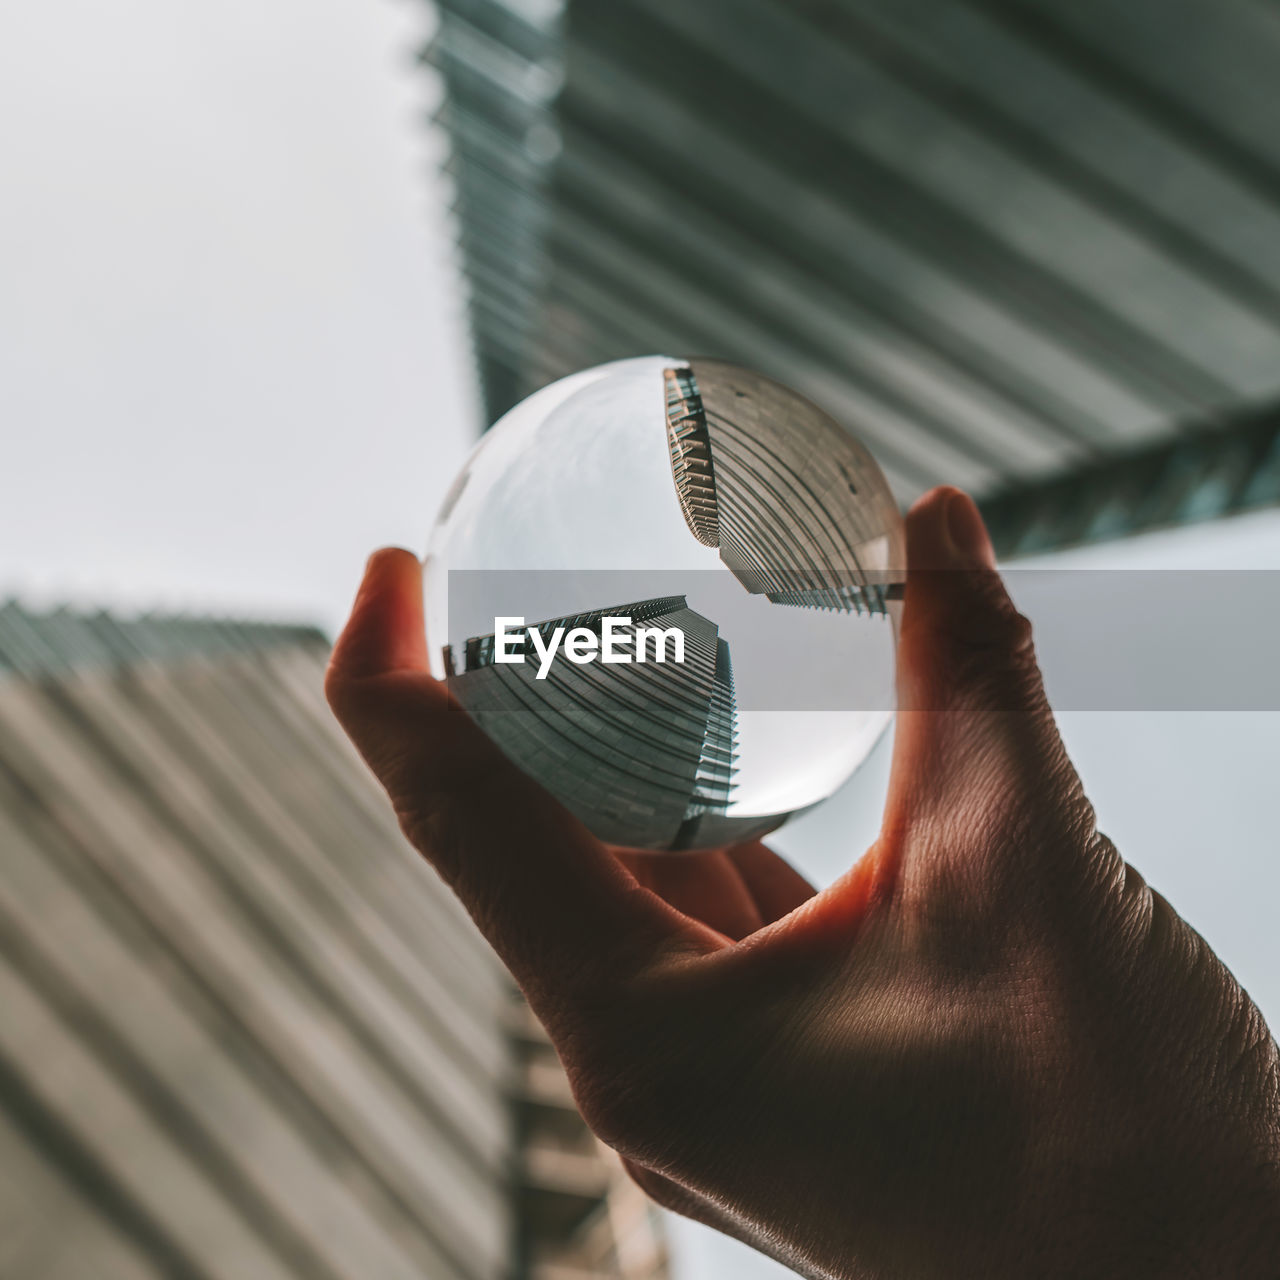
x=232, y=363
x=230, y=356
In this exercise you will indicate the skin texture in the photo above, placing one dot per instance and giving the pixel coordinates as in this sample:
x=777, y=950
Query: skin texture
x=988, y=1050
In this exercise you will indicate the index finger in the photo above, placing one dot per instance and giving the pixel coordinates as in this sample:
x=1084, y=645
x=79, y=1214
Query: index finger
x=554, y=903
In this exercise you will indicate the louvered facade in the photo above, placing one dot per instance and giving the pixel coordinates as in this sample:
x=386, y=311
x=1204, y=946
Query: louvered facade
x=246, y=1033
x=1030, y=247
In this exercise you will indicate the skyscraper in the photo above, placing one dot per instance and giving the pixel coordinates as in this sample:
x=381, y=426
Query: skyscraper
x=644, y=751
x=775, y=491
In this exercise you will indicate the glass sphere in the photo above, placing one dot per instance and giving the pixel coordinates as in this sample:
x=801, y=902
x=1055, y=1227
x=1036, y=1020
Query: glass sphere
x=669, y=590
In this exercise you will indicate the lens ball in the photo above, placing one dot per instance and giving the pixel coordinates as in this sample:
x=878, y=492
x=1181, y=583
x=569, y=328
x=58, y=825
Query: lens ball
x=669, y=589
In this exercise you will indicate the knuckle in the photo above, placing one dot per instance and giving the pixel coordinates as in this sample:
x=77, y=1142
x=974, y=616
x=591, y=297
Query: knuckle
x=424, y=824
x=1018, y=638
x=433, y=816
x=337, y=690
x=998, y=656
x=977, y=642
x=987, y=621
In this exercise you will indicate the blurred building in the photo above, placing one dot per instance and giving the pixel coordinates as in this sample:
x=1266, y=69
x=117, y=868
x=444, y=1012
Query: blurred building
x=245, y=1034
x=1031, y=247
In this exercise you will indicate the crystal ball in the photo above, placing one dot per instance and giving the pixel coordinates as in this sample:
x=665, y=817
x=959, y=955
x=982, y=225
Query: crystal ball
x=669, y=590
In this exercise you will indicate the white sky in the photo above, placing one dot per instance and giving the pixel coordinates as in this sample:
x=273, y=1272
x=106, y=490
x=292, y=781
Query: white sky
x=232, y=363
x=1188, y=797
x=230, y=356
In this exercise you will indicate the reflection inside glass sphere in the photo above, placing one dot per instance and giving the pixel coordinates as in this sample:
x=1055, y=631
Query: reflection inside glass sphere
x=668, y=589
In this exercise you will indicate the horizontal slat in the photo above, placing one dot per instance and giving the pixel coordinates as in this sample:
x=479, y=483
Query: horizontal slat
x=1025, y=236
x=223, y=911
x=118, y=1135
x=47, y=1228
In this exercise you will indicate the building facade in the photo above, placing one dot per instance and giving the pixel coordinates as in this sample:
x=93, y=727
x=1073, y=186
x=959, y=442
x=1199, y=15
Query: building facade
x=641, y=751
x=246, y=1032
x=1032, y=248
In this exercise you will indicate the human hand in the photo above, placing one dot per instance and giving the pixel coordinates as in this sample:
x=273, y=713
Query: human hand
x=988, y=1050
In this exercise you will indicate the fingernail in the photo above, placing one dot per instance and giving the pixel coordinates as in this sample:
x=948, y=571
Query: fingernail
x=968, y=534
x=385, y=555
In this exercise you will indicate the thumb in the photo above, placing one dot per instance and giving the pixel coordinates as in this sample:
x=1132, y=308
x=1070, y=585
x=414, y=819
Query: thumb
x=556, y=905
x=962, y=641
x=976, y=744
